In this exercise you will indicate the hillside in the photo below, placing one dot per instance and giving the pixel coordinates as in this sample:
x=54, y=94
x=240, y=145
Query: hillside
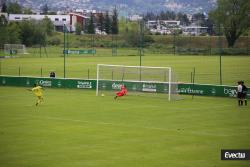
x=125, y=6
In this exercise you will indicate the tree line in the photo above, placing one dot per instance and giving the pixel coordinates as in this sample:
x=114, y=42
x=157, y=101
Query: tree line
x=230, y=18
x=31, y=32
x=103, y=22
x=35, y=32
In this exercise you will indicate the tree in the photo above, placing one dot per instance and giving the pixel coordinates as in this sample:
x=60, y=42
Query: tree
x=3, y=21
x=233, y=16
x=3, y=31
x=4, y=8
x=40, y=35
x=199, y=19
x=107, y=23
x=131, y=37
x=91, y=26
x=27, y=11
x=45, y=9
x=27, y=32
x=14, y=8
x=78, y=29
x=13, y=31
x=101, y=22
x=183, y=18
x=114, y=26
x=48, y=25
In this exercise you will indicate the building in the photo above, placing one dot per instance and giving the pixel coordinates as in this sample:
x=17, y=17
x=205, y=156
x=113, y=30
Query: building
x=135, y=18
x=76, y=18
x=163, y=26
x=194, y=30
x=152, y=24
x=58, y=20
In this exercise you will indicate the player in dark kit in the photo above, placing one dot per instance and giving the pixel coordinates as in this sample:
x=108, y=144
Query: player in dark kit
x=244, y=93
x=239, y=93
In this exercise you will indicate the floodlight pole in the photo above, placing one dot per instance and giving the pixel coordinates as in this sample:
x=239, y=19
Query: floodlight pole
x=141, y=43
x=220, y=53
x=141, y=40
x=0, y=67
x=64, y=50
x=97, y=79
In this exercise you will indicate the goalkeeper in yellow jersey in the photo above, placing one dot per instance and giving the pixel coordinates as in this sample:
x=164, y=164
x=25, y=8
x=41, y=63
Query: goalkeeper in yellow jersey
x=38, y=92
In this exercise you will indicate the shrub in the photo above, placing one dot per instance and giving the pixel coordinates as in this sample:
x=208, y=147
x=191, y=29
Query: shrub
x=54, y=41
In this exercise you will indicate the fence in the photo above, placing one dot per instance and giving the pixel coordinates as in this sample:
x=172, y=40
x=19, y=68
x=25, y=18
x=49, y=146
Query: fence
x=120, y=45
x=163, y=44
x=183, y=88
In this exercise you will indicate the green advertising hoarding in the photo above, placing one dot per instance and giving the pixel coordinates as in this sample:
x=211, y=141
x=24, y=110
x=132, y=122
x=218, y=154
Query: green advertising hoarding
x=183, y=88
x=207, y=90
x=90, y=51
x=47, y=82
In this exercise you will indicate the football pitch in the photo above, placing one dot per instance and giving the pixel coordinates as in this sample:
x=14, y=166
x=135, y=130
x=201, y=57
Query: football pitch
x=74, y=128
x=234, y=68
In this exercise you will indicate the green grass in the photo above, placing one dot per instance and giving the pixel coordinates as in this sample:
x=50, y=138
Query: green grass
x=234, y=68
x=76, y=128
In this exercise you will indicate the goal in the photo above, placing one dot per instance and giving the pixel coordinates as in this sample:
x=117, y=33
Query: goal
x=14, y=49
x=138, y=80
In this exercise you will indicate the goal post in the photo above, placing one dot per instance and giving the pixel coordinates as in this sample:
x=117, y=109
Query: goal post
x=15, y=49
x=138, y=79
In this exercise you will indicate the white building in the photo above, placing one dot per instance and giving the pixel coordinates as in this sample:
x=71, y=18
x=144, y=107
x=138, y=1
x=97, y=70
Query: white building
x=194, y=30
x=163, y=23
x=163, y=26
x=4, y=14
x=58, y=20
x=135, y=18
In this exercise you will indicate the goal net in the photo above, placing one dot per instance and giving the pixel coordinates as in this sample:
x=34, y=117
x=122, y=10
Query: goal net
x=139, y=80
x=13, y=49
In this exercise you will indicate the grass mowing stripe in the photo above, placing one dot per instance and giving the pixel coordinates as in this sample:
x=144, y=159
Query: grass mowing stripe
x=76, y=128
x=133, y=127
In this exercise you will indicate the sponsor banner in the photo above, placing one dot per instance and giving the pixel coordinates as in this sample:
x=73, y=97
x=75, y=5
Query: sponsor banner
x=189, y=90
x=116, y=86
x=186, y=89
x=235, y=154
x=47, y=82
x=44, y=83
x=84, y=85
x=91, y=51
x=208, y=90
x=149, y=87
